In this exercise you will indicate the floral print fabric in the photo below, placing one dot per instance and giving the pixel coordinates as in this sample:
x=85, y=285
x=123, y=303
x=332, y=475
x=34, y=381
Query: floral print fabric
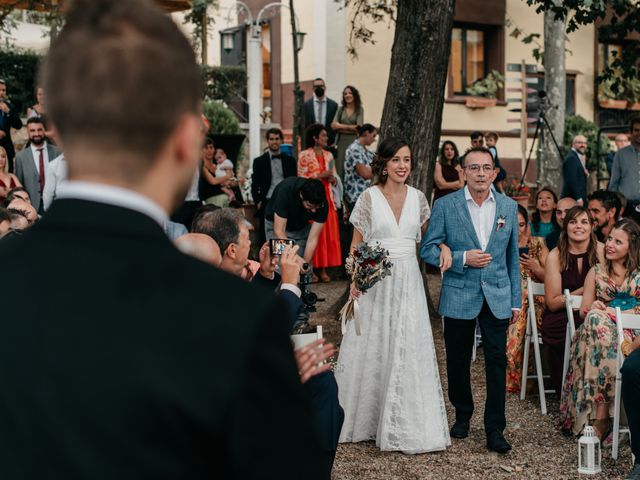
x=517, y=329
x=592, y=369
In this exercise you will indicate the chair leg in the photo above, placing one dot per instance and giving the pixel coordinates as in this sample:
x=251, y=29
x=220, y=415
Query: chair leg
x=616, y=417
x=565, y=362
x=536, y=353
x=525, y=364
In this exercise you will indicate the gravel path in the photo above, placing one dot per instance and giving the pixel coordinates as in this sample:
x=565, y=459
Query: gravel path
x=539, y=450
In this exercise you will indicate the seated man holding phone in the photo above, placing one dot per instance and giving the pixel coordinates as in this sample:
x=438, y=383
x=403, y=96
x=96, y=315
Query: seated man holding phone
x=297, y=211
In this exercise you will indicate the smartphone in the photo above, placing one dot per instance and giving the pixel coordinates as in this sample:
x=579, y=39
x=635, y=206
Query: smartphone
x=522, y=250
x=278, y=245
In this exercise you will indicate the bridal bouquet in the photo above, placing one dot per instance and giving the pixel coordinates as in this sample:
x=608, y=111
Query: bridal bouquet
x=366, y=266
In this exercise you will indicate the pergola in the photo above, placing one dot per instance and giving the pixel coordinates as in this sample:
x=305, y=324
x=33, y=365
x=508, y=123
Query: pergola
x=46, y=5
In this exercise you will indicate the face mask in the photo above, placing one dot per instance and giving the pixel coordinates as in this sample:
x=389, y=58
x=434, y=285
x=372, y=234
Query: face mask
x=319, y=91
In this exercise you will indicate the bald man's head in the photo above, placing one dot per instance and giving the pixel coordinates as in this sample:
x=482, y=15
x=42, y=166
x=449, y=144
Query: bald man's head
x=580, y=143
x=200, y=246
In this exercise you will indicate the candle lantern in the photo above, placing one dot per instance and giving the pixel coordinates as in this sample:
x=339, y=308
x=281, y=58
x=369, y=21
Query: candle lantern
x=589, y=454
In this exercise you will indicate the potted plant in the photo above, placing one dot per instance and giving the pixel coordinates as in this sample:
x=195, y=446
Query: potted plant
x=518, y=191
x=632, y=87
x=611, y=94
x=483, y=92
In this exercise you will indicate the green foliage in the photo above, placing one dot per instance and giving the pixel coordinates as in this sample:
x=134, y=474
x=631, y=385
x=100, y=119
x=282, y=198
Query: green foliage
x=577, y=125
x=222, y=120
x=19, y=70
x=198, y=16
x=621, y=29
x=488, y=86
x=225, y=83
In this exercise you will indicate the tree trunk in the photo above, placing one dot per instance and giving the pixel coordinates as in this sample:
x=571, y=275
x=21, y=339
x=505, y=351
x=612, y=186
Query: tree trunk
x=204, y=41
x=550, y=164
x=417, y=78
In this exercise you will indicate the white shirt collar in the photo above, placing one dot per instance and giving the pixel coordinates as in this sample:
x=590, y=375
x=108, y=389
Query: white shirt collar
x=111, y=195
x=35, y=148
x=467, y=195
x=320, y=100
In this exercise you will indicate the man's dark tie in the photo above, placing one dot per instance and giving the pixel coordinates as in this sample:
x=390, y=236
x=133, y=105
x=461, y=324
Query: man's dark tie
x=275, y=157
x=41, y=161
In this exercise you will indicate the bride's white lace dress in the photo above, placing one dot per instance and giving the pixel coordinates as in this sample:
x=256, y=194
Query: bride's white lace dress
x=388, y=379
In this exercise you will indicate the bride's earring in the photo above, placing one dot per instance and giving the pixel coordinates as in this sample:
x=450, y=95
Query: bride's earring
x=384, y=172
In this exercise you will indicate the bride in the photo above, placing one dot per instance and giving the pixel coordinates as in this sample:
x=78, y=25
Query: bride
x=388, y=379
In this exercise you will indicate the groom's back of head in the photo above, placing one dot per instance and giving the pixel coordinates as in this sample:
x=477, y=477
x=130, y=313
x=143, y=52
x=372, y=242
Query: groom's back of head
x=123, y=74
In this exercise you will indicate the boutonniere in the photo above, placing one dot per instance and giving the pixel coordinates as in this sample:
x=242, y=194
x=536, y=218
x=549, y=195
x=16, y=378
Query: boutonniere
x=502, y=220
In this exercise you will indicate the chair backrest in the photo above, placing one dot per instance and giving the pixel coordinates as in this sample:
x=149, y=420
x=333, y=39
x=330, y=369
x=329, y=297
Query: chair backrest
x=625, y=321
x=533, y=289
x=571, y=302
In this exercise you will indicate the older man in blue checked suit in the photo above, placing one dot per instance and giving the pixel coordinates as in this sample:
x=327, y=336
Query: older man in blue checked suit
x=480, y=226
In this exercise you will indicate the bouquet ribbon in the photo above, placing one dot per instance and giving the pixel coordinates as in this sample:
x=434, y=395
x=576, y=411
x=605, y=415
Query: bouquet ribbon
x=350, y=311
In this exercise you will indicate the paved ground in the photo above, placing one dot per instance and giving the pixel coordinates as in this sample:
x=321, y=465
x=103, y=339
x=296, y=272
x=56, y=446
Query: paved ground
x=539, y=450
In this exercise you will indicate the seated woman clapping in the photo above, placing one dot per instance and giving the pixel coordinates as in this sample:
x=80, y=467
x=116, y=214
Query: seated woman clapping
x=567, y=266
x=589, y=387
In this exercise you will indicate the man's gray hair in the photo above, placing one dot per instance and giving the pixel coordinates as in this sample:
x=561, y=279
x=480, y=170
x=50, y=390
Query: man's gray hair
x=223, y=225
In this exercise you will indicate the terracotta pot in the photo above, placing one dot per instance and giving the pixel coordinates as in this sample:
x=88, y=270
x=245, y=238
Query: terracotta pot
x=522, y=200
x=480, y=102
x=615, y=104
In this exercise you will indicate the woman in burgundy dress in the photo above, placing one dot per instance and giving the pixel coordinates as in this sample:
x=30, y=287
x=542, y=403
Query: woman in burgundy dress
x=8, y=181
x=567, y=267
x=447, y=176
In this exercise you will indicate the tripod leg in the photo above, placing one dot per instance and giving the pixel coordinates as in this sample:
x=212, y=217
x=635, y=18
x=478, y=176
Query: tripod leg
x=535, y=137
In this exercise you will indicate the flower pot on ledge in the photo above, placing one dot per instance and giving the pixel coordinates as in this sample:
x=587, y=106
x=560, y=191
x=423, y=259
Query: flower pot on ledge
x=522, y=200
x=634, y=106
x=480, y=102
x=614, y=104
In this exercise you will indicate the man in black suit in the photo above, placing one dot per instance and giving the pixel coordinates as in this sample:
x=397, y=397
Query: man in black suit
x=269, y=169
x=9, y=118
x=574, y=171
x=124, y=367
x=320, y=109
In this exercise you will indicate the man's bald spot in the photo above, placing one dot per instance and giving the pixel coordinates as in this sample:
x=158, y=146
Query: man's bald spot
x=200, y=246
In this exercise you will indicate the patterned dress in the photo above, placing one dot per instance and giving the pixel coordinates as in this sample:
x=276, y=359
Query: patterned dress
x=518, y=328
x=592, y=370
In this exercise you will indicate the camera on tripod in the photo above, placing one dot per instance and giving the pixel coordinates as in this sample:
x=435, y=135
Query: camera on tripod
x=308, y=297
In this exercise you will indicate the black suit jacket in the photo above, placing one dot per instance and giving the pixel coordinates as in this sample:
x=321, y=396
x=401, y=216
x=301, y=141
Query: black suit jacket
x=574, y=182
x=310, y=117
x=105, y=374
x=261, y=177
x=12, y=120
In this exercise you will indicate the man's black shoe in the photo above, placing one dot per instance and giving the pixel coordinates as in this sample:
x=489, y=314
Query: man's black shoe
x=460, y=429
x=634, y=474
x=497, y=443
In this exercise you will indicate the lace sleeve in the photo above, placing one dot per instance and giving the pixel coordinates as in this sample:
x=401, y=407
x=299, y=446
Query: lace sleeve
x=361, y=216
x=425, y=211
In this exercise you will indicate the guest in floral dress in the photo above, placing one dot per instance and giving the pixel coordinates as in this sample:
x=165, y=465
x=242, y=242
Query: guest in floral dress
x=567, y=267
x=533, y=255
x=317, y=162
x=589, y=387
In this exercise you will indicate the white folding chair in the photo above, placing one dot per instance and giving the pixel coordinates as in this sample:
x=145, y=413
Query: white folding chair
x=624, y=321
x=532, y=337
x=571, y=302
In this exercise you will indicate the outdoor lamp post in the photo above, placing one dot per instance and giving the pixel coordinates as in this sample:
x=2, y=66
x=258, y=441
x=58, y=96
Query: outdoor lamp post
x=589, y=454
x=254, y=67
x=299, y=40
x=227, y=40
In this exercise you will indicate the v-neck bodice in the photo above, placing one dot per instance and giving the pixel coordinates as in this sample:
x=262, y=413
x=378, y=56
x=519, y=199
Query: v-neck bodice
x=374, y=218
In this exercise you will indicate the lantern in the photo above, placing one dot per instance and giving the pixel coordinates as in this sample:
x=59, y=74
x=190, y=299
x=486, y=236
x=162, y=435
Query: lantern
x=589, y=454
x=228, y=40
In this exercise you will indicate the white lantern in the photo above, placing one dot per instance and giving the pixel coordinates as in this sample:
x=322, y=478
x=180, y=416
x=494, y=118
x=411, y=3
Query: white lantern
x=589, y=454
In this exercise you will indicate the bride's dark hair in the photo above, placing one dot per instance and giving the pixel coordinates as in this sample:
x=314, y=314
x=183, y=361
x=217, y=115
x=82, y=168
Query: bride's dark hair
x=386, y=151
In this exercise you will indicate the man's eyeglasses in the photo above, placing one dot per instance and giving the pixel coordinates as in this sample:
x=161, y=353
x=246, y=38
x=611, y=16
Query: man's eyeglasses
x=476, y=168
